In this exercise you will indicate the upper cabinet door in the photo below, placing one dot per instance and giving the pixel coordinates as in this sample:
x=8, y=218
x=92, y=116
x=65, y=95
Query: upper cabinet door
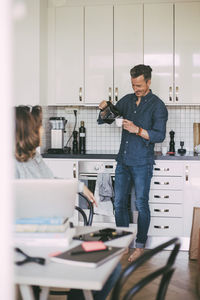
x=26, y=52
x=128, y=46
x=187, y=52
x=65, y=82
x=158, y=48
x=98, y=53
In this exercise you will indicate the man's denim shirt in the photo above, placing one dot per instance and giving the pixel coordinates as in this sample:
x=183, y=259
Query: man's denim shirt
x=151, y=114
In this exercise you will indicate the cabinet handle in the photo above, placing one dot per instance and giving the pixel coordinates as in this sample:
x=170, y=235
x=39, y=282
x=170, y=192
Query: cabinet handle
x=186, y=173
x=164, y=169
x=176, y=93
x=170, y=93
x=161, y=227
x=116, y=94
x=165, y=197
x=164, y=183
x=109, y=93
x=74, y=170
x=80, y=94
x=161, y=210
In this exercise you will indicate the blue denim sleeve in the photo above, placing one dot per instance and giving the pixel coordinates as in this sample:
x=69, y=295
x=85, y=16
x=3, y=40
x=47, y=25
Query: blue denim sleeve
x=158, y=131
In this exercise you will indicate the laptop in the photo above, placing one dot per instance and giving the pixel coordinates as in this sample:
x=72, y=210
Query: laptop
x=44, y=197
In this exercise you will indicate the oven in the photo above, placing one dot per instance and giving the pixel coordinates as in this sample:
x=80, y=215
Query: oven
x=88, y=172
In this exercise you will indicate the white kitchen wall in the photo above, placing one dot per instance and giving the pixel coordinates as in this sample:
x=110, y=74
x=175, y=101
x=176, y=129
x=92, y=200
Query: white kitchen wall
x=107, y=137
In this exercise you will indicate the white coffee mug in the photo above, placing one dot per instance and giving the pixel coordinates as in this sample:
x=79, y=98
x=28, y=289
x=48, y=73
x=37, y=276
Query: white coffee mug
x=164, y=150
x=119, y=122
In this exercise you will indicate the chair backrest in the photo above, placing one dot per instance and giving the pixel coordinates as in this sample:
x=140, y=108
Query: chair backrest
x=86, y=221
x=165, y=272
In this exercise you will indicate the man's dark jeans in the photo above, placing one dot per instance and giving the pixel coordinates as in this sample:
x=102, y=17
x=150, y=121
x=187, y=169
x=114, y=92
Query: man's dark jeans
x=140, y=176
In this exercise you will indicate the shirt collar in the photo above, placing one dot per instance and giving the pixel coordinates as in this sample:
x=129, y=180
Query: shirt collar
x=144, y=98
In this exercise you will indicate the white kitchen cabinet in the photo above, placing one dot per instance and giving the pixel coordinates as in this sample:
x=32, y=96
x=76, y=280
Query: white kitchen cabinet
x=172, y=200
x=91, y=50
x=158, y=47
x=98, y=53
x=128, y=46
x=187, y=52
x=166, y=199
x=26, y=35
x=191, y=192
x=172, y=49
x=63, y=168
x=113, y=45
x=65, y=62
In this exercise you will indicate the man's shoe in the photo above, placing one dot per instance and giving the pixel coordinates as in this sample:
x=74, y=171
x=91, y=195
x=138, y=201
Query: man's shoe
x=136, y=253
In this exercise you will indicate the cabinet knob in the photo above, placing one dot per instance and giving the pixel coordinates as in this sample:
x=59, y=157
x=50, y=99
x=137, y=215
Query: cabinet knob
x=80, y=94
x=110, y=94
x=164, y=183
x=159, y=169
x=161, y=210
x=116, y=94
x=177, y=90
x=186, y=173
x=165, y=197
x=74, y=170
x=161, y=227
x=170, y=93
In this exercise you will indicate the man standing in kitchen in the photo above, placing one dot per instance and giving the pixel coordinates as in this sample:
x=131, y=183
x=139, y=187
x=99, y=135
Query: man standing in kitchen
x=144, y=124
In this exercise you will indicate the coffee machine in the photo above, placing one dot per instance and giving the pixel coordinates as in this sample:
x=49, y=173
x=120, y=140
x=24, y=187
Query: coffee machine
x=57, y=132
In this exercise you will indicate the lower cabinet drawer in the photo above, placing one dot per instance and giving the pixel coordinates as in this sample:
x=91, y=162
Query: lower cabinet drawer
x=166, y=210
x=165, y=183
x=166, y=227
x=165, y=196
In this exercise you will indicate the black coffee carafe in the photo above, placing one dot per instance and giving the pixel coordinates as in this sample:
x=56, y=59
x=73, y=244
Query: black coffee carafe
x=75, y=142
x=109, y=113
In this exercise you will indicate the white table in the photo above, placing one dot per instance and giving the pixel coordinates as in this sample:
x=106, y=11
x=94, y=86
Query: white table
x=59, y=275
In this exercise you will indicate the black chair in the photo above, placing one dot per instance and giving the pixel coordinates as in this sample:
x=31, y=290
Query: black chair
x=165, y=272
x=86, y=221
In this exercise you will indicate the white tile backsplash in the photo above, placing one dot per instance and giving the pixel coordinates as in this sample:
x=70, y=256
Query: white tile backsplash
x=107, y=137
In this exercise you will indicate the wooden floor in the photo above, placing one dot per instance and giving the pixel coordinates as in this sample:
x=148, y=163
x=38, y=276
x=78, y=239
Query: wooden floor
x=182, y=285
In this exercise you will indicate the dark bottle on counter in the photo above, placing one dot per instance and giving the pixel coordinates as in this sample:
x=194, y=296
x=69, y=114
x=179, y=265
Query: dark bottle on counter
x=82, y=138
x=75, y=142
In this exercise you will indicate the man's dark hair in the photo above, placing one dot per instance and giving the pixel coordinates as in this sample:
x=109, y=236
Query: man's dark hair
x=141, y=70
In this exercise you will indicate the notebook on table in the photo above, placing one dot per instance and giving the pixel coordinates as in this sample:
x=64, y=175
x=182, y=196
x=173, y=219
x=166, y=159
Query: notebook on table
x=78, y=257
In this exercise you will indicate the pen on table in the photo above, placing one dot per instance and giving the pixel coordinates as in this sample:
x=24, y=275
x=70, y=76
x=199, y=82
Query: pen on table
x=103, y=234
x=88, y=252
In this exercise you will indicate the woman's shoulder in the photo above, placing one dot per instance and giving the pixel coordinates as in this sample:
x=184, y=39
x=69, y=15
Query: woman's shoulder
x=35, y=167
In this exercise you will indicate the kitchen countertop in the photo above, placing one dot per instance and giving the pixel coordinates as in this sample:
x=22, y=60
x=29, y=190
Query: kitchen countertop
x=113, y=155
